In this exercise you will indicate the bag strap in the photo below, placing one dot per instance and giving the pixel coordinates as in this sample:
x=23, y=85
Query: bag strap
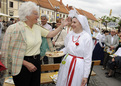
x=58, y=36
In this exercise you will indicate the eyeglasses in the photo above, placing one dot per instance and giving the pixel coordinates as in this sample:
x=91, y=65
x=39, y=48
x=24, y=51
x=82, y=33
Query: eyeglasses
x=35, y=14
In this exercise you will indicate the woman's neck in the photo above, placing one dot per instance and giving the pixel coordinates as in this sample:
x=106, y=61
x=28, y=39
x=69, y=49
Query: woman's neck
x=78, y=31
x=29, y=24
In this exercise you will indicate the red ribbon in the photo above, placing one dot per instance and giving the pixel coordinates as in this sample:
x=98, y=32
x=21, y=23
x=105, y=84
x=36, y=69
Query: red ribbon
x=95, y=42
x=73, y=62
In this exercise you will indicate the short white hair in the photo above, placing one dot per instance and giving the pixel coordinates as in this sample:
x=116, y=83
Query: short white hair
x=26, y=9
x=44, y=16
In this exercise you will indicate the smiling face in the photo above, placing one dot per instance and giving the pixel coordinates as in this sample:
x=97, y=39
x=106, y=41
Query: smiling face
x=43, y=20
x=33, y=17
x=58, y=22
x=77, y=28
x=112, y=32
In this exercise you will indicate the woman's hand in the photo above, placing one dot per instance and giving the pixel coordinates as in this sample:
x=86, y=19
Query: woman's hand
x=113, y=59
x=102, y=46
x=53, y=43
x=111, y=47
x=29, y=66
x=65, y=22
x=84, y=81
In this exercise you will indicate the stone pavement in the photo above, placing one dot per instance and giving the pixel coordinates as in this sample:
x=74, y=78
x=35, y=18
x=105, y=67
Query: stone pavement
x=101, y=80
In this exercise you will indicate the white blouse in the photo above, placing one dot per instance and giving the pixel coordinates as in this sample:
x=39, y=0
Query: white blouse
x=84, y=49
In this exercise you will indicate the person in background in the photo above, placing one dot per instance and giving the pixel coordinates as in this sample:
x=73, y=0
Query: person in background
x=96, y=36
x=116, y=32
x=10, y=22
x=119, y=36
x=21, y=46
x=44, y=24
x=102, y=45
x=98, y=51
x=1, y=27
x=111, y=42
x=114, y=63
x=58, y=40
x=68, y=28
x=75, y=66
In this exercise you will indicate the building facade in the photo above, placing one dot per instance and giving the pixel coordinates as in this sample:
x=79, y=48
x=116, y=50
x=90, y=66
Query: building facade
x=52, y=8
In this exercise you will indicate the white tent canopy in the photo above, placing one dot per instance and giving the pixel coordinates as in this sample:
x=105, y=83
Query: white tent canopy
x=15, y=16
x=5, y=15
x=2, y=14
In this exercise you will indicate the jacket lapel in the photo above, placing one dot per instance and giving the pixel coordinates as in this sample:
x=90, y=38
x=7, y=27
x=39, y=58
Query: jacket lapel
x=22, y=30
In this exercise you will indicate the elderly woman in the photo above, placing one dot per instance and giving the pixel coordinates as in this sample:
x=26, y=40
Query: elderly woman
x=21, y=46
x=75, y=66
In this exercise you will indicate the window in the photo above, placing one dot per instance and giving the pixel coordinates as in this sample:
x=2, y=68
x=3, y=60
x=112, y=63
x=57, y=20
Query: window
x=60, y=15
x=63, y=16
x=52, y=13
x=42, y=11
x=11, y=13
x=11, y=4
x=47, y=12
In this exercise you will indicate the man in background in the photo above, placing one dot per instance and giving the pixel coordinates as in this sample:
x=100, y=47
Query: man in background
x=1, y=26
x=111, y=42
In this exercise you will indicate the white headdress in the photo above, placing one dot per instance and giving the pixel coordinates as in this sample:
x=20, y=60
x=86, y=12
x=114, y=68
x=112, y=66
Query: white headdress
x=96, y=29
x=82, y=19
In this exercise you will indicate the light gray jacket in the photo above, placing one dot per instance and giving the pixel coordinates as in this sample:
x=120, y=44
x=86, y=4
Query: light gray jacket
x=108, y=41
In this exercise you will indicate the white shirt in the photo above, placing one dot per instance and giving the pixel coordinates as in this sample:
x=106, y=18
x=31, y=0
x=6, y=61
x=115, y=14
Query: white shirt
x=102, y=39
x=118, y=52
x=48, y=27
x=112, y=40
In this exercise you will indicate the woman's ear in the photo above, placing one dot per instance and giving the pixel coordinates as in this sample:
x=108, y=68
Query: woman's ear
x=27, y=17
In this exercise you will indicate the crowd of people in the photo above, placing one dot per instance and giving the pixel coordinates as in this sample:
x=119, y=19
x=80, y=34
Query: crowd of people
x=23, y=51
x=106, y=44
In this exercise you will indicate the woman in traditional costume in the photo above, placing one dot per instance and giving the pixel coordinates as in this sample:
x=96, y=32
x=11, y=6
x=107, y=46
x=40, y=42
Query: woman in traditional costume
x=75, y=67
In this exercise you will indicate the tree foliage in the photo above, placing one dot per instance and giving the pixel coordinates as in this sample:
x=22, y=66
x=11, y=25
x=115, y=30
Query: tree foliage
x=105, y=19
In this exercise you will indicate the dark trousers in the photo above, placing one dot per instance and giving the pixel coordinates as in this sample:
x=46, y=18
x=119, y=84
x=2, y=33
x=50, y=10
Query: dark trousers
x=111, y=65
x=57, y=60
x=106, y=59
x=27, y=78
x=45, y=60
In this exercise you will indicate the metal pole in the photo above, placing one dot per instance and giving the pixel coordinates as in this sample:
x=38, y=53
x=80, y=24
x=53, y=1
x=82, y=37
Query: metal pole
x=7, y=8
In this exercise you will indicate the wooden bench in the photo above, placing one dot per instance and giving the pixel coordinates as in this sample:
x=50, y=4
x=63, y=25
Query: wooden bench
x=96, y=62
x=45, y=77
